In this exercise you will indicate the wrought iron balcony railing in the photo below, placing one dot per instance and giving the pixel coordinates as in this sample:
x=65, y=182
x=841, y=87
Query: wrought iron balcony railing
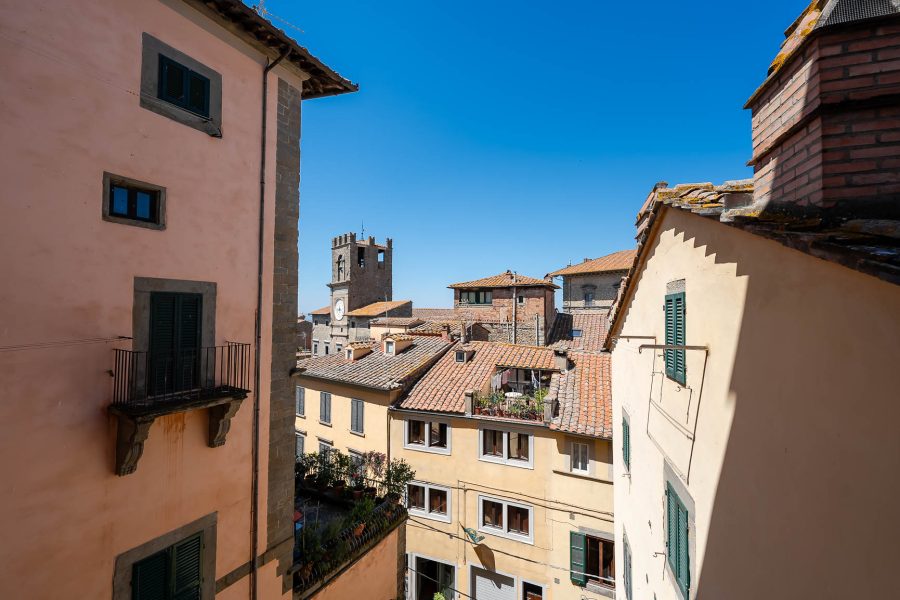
x=150, y=379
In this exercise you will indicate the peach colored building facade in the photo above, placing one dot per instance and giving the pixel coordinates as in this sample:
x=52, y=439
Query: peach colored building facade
x=133, y=145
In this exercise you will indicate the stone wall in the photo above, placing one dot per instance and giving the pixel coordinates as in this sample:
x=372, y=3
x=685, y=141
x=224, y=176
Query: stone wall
x=280, y=509
x=605, y=286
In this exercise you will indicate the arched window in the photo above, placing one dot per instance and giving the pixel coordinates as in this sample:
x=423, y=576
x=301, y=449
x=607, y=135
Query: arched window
x=340, y=267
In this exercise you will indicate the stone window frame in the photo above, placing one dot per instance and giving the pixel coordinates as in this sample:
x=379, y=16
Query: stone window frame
x=125, y=561
x=151, y=49
x=111, y=178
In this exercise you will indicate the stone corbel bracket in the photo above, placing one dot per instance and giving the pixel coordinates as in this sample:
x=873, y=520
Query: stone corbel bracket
x=133, y=427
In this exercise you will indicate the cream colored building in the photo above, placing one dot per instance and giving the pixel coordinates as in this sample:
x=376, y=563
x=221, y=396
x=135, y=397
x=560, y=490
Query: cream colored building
x=499, y=502
x=755, y=342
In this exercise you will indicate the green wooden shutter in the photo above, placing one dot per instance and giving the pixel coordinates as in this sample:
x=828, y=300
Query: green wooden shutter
x=671, y=528
x=576, y=558
x=626, y=443
x=150, y=577
x=186, y=558
x=188, y=309
x=683, y=571
x=675, y=335
x=628, y=595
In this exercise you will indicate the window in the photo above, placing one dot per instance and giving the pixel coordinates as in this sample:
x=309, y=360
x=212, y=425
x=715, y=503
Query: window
x=183, y=87
x=132, y=202
x=180, y=88
x=576, y=333
x=325, y=446
x=429, y=577
x=300, y=400
x=173, y=363
x=389, y=348
x=460, y=356
x=675, y=336
x=532, y=591
x=315, y=347
x=381, y=258
x=428, y=436
x=476, y=297
x=580, y=460
x=626, y=443
x=589, y=298
x=325, y=407
x=357, y=411
x=505, y=518
x=591, y=561
x=520, y=300
x=174, y=572
x=338, y=348
x=300, y=443
x=677, y=539
x=361, y=257
x=507, y=447
x=627, y=553
x=327, y=348
x=428, y=500
x=340, y=268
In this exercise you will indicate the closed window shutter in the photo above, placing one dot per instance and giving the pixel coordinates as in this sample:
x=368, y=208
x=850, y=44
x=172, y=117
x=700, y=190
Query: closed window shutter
x=300, y=399
x=671, y=528
x=360, y=412
x=150, y=577
x=626, y=443
x=683, y=562
x=675, y=335
x=576, y=558
x=627, y=571
x=186, y=559
x=325, y=407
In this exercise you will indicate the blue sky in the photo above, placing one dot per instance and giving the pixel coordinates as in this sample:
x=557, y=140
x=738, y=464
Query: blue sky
x=523, y=135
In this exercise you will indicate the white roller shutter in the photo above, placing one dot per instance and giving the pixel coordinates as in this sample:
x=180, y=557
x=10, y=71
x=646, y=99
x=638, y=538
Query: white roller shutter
x=492, y=586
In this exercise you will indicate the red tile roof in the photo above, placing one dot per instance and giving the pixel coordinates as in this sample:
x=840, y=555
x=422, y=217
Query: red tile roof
x=503, y=280
x=396, y=322
x=377, y=309
x=443, y=388
x=325, y=310
x=376, y=369
x=584, y=396
x=592, y=324
x=617, y=261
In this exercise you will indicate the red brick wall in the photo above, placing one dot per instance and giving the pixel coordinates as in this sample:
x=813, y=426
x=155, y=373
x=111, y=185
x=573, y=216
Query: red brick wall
x=826, y=128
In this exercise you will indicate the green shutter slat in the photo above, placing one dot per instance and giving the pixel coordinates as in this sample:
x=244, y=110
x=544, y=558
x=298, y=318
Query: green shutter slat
x=671, y=528
x=683, y=563
x=576, y=558
x=150, y=577
x=676, y=336
x=187, y=560
x=626, y=443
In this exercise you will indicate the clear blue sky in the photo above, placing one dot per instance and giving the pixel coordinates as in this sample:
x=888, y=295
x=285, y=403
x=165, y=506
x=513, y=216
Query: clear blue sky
x=523, y=135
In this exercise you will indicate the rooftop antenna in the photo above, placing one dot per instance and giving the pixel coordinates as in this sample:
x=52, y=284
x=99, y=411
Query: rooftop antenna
x=362, y=225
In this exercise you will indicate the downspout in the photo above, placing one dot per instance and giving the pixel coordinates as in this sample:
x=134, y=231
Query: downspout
x=254, y=496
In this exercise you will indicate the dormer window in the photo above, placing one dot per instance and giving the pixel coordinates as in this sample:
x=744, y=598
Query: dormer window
x=389, y=347
x=349, y=354
x=460, y=356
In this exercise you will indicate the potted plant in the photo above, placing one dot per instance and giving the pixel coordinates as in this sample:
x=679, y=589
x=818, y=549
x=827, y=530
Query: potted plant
x=324, y=470
x=340, y=464
x=360, y=515
x=397, y=476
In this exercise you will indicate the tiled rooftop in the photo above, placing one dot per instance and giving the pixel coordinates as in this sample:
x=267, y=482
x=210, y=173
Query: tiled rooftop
x=584, y=395
x=377, y=309
x=617, y=261
x=592, y=324
x=377, y=370
x=503, y=280
x=325, y=310
x=397, y=321
x=443, y=388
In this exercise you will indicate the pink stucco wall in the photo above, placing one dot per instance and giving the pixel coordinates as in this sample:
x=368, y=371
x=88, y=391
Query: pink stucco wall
x=69, y=110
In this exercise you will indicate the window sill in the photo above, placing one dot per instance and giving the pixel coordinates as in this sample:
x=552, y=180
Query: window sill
x=321, y=422
x=600, y=589
x=430, y=516
x=424, y=448
x=134, y=222
x=356, y=433
x=582, y=476
x=519, y=464
x=300, y=416
x=506, y=535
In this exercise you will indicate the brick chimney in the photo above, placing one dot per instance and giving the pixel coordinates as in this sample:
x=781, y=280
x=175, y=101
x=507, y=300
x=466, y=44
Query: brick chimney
x=826, y=121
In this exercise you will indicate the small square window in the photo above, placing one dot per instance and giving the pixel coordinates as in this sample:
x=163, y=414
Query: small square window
x=389, y=348
x=580, y=461
x=131, y=202
x=460, y=356
x=521, y=300
x=576, y=333
x=182, y=87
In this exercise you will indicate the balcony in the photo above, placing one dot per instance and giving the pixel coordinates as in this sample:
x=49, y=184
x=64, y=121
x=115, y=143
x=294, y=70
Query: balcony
x=149, y=385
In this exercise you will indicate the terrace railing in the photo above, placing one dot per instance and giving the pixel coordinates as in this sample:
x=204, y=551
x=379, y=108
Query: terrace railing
x=143, y=379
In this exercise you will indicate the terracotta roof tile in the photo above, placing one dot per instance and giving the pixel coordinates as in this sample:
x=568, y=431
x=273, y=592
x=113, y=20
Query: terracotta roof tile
x=584, y=396
x=325, y=310
x=593, y=326
x=507, y=279
x=377, y=309
x=443, y=388
x=396, y=321
x=617, y=261
x=377, y=370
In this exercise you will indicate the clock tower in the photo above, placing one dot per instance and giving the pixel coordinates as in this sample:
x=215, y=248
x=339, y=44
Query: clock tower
x=361, y=273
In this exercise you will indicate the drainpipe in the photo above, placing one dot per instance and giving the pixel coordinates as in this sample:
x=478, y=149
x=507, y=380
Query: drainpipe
x=254, y=499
